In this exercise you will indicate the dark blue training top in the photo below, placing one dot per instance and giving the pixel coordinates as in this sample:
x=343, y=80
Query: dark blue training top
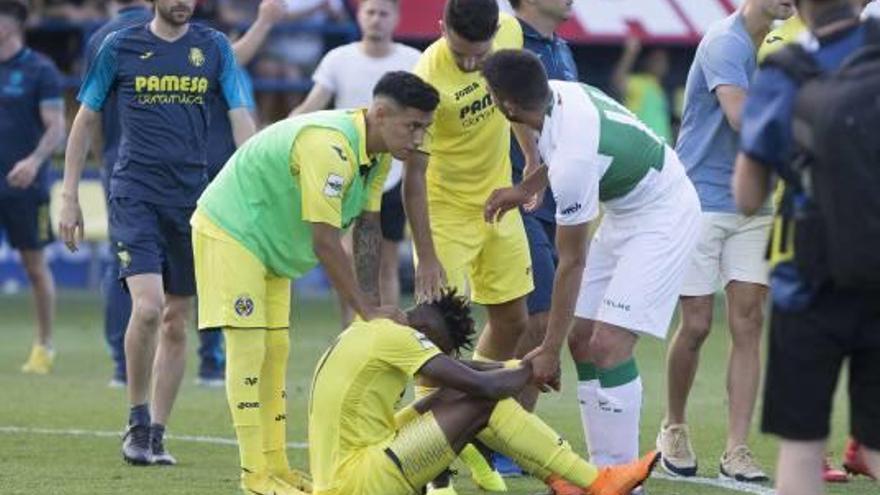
x=559, y=64
x=127, y=17
x=164, y=92
x=219, y=132
x=27, y=81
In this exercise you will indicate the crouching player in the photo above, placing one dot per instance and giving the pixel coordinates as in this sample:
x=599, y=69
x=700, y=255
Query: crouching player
x=277, y=208
x=359, y=446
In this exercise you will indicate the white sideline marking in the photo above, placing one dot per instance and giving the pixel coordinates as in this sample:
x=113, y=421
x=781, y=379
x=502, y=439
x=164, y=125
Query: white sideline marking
x=117, y=434
x=735, y=486
x=717, y=483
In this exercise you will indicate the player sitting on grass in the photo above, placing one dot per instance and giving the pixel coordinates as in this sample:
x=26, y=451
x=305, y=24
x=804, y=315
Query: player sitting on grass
x=359, y=446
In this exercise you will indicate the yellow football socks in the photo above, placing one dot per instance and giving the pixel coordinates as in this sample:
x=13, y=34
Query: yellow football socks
x=526, y=439
x=274, y=401
x=245, y=353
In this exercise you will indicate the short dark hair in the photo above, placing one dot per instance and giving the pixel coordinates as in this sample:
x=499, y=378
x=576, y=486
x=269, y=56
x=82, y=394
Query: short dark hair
x=515, y=3
x=408, y=90
x=456, y=313
x=17, y=9
x=517, y=76
x=473, y=20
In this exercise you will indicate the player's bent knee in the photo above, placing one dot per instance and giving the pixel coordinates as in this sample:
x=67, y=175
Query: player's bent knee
x=747, y=322
x=695, y=332
x=174, y=331
x=579, y=340
x=147, y=311
x=609, y=348
x=696, y=315
x=175, y=315
x=175, y=319
x=579, y=348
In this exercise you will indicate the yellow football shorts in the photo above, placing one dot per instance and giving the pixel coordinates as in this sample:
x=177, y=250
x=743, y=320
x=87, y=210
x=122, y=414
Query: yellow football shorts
x=489, y=261
x=235, y=290
x=403, y=465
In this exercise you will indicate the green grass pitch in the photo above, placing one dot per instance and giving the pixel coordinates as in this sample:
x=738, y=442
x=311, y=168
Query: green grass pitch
x=35, y=459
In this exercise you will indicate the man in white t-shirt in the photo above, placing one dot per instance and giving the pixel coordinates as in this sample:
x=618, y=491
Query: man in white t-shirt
x=625, y=282
x=347, y=75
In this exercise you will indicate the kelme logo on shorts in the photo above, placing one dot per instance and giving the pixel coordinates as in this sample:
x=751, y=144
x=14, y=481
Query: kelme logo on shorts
x=244, y=306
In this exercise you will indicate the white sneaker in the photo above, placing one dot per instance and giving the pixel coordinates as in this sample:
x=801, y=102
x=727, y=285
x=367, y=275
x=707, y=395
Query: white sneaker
x=739, y=464
x=676, y=452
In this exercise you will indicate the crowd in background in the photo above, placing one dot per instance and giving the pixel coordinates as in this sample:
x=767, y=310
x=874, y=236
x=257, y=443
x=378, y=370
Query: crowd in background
x=306, y=29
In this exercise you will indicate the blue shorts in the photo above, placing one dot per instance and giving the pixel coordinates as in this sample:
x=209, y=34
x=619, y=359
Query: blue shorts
x=151, y=238
x=542, y=246
x=25, y=220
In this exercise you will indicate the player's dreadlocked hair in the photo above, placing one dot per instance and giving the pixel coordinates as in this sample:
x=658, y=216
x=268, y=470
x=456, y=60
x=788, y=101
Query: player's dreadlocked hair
x=456, y=313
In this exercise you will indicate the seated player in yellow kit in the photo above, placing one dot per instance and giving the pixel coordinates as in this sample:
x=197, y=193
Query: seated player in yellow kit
x=445, y=188
x=278, y=208
x=359, y=446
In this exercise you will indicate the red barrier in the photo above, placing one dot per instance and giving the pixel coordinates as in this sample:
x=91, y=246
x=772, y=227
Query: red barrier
x=599, y=21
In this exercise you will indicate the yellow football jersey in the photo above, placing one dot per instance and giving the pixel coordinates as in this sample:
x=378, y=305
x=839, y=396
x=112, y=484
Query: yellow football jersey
x=786, y=33
x=470, y=139
x=328, y=154
x=356, y=386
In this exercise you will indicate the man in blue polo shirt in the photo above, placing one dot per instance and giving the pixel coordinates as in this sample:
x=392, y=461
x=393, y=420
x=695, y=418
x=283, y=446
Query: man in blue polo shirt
x=165, y=74
x=31, y=128
x=815, y=325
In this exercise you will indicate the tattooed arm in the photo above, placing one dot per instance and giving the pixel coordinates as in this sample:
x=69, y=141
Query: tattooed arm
x=328, y=249
x=367, y=237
